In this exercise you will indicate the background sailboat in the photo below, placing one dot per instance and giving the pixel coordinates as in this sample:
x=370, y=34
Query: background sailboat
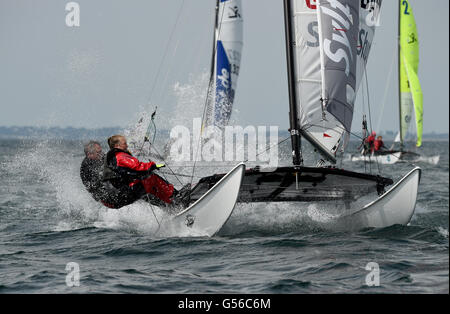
x=410, y=92
x=226, y=59
x=223, y=77
x=225, y=65
x=410, y=96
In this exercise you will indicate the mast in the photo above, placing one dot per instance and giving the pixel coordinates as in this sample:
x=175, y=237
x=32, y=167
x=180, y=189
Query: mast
x=206, y=114
x=398, y=73
x=293, y=114
x=216, y=23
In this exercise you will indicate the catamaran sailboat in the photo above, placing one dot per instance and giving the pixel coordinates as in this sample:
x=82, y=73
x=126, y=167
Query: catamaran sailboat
x=410, y=97
x=327, y=46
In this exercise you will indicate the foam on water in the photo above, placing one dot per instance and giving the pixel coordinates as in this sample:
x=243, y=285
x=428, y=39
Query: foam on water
x=433, y=160
x=276, y=218
x=137, y=217
x=443, y=231
x=419, y=209
x=75, y=208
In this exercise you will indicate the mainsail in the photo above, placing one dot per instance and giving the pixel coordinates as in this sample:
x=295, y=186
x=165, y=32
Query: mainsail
x=410, y=92
x=332, y=41
x=228, y=43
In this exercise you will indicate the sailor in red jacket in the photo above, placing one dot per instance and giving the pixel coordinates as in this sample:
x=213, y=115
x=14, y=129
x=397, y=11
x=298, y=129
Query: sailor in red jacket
x=126, y=172
x=369, y=143
x=378, y=144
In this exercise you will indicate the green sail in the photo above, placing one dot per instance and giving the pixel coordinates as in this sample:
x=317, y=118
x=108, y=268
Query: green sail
x=410, y=90
x=417, y=97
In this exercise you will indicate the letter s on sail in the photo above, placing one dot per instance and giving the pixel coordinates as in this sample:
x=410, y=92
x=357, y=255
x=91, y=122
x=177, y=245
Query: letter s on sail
x=337, y=56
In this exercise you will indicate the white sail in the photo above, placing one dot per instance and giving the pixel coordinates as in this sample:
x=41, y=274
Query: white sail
x=369, y=19
x=228, y=46
x=326, y=30
x=308, y=79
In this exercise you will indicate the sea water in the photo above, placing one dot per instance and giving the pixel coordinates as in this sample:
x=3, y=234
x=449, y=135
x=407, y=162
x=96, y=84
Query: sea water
x=56, y=239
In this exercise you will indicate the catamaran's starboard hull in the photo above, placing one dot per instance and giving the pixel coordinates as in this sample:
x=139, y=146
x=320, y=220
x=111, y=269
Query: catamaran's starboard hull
x=303, y=184
x=396, y=206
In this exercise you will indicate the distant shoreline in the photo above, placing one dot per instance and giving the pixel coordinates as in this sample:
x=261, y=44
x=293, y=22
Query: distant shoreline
x=68, y=133
x=71, y=133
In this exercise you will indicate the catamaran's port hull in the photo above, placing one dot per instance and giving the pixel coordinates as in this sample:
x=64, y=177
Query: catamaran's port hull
x=396, y=206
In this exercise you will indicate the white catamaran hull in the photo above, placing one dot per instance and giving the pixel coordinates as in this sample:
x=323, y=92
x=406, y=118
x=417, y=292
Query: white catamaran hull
x=396, y=206
x=210, y=212
x=388, y=159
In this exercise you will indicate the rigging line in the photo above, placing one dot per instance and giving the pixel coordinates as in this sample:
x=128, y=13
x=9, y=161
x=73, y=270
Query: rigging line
x=156, y=218
x=166, y=50
x=267, y=148
x=207, y=166
x=363, y=100
x=187, y=61
x=215, y=166
x=370, y=116
x=168, y=167
x=368, y=97
x=364, y=113
x=166, y=78
x=364, y=117
x=386, y=91
x=211, y=80
x=179, y=174
x=147, y=133
x=195, y=53
x=200, y=135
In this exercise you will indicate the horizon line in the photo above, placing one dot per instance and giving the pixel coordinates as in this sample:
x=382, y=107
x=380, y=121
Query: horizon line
x=124, y=127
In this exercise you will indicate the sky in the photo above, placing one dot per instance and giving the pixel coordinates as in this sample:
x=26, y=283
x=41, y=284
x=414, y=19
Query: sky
x=128, y=56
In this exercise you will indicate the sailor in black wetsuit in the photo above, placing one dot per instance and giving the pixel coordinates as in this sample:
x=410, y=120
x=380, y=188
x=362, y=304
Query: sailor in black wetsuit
x=91, y=173
x=91, y=170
